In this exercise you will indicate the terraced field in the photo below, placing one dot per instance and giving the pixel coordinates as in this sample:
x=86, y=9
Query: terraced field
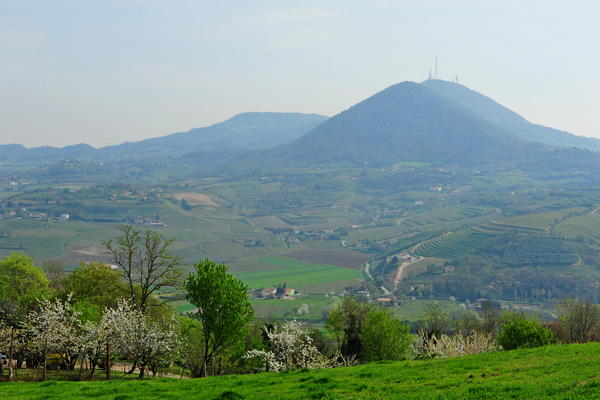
x=453, y=244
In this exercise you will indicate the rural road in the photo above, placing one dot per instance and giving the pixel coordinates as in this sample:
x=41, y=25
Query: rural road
x=401, y=272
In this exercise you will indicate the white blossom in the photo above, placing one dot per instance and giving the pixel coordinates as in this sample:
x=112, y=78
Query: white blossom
x=56, y=328
x=291, y=348
x=134, y=336
x=455, y=346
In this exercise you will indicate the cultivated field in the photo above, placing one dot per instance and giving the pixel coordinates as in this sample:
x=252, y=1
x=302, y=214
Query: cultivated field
x=452, y=244
x=196, y=199
x=298, y=274
x=342, y=258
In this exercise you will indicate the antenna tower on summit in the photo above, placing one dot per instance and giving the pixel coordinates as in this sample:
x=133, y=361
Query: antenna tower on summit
x=436, y=69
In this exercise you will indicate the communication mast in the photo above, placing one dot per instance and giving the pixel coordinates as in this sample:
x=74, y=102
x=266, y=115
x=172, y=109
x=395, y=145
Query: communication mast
x=436, y=69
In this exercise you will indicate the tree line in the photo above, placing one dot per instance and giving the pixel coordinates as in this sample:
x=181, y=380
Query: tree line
x=85, y=321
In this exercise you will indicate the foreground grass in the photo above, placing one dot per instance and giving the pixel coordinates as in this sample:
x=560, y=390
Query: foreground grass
x=554, y=372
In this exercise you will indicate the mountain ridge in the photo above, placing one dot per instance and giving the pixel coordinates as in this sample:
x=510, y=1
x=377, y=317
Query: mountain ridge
x=244, y=131
x=508, y=119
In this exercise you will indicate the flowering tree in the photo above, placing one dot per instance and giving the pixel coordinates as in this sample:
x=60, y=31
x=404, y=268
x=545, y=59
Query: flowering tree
x=137, y=338
x=291, y=348
x=55, y=327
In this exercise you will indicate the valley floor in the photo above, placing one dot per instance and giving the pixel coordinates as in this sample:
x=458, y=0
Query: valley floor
x=553, y=372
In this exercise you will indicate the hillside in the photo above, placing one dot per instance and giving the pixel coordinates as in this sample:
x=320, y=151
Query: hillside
x=553, y=372
x=405, y=122
x=247, y=131
x=243, y=132
x=506, y=119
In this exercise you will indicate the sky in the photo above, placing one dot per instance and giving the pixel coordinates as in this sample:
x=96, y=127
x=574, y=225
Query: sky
x=110, y=71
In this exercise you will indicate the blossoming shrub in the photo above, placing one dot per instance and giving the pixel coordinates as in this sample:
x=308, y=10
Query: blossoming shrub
x=291, y=347
x=458, y=345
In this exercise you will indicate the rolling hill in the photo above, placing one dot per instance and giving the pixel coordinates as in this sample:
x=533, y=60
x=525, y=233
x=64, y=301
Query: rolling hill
x=243, y=132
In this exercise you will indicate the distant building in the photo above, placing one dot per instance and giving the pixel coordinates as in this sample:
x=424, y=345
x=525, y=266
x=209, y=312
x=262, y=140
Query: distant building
x=385, y=301
x=64, y=217
x=268, y=292
x=36, y=215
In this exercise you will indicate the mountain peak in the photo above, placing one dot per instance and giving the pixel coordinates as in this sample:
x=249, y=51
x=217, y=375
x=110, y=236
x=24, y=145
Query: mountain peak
x=407, y=121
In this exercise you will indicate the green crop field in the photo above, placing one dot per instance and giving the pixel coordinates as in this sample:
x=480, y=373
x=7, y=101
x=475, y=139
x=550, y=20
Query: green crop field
x=296, y=274
x=585, y=225
x=452, y=244
x=414, y=310
x=552, y=372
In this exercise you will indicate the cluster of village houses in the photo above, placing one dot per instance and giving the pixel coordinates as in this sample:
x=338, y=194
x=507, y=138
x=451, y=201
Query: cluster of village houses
x=33, y=215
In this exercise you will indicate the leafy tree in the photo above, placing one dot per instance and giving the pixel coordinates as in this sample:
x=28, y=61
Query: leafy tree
x=96, y=284
x=146, y=261
x=467, y=322
x=578, y=320
x=346, y=322
x=222, y=308
x=383, y=337
x=520, y=332
x=192, y=345
x=436, y=321
x=23, y=281
x=490, y=311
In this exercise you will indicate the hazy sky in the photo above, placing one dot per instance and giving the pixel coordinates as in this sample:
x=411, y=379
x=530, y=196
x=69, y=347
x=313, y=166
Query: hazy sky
x=120, y=70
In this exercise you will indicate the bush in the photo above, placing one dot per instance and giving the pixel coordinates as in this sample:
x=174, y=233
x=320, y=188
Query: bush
x=523, y=333
x=454, y=346
x=383, y=337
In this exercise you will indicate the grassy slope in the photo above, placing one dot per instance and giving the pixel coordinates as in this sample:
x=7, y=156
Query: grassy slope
x=554, y=372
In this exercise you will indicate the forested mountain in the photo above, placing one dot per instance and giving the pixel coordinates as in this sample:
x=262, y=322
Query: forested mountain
x=405, y=122
x=436, y=122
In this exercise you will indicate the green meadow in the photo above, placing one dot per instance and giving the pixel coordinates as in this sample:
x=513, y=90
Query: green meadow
x=552, y=372
x=296, y=274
